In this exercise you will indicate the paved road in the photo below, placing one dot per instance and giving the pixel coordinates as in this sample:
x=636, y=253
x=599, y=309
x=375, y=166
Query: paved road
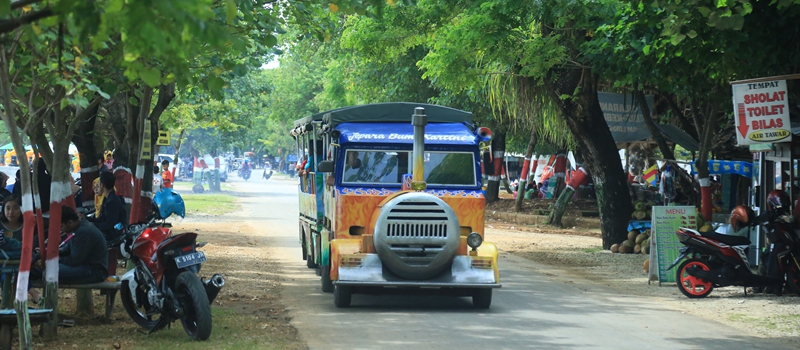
x=535, y=309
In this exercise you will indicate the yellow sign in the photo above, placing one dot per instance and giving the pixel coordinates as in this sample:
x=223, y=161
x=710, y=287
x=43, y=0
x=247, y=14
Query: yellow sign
x=164, y=138
x=770, y=135
x=146, y=152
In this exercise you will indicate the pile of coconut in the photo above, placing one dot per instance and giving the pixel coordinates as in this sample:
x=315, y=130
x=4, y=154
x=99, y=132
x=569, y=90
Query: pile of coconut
x=637, y=242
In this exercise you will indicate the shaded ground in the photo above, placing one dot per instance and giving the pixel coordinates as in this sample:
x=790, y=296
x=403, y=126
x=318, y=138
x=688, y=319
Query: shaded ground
x=247, y=314
x=578, y=255
x=532, y=206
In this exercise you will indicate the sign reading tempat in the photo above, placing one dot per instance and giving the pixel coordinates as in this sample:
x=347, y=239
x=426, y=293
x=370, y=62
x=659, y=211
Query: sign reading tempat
x=762, y=112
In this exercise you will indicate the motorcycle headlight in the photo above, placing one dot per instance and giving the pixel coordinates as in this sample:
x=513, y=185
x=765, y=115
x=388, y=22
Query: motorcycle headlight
x=474, y=240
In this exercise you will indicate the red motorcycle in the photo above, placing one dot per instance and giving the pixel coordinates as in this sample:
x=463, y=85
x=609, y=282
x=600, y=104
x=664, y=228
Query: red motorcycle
x=163, y=286
x=716, y=260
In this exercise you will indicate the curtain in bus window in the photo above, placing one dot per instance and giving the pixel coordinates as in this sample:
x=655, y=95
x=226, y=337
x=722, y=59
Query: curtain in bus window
x=377, y=167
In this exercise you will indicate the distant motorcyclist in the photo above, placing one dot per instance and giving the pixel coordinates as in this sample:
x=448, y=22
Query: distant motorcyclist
x=267, y=171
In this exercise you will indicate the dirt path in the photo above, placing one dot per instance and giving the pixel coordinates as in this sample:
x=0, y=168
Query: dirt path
x=248, y=313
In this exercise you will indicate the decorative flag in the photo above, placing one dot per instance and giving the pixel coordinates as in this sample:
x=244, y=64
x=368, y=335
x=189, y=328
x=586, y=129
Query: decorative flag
x=650, y=175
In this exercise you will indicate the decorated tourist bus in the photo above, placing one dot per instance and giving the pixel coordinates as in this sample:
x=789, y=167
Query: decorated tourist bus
x=391, y=202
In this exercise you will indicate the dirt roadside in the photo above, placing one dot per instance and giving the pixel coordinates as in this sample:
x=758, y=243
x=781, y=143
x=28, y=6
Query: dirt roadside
x=577, y=254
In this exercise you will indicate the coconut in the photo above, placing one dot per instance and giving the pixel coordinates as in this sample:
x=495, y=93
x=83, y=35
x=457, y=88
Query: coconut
x=640, y=238
x=640, y=215
x=647, y=232
x=645, y=243
x=646, y=265
x=615, y=248
x=645, y=249
x=632, y=235
x=628, y=243
x=637, y=249
x=638, y=206
x=625, y=249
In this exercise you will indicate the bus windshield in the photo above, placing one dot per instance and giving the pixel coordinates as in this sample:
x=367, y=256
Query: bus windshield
x=388, y=167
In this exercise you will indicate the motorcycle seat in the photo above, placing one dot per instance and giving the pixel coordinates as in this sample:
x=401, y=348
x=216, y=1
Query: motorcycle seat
x=727, y=239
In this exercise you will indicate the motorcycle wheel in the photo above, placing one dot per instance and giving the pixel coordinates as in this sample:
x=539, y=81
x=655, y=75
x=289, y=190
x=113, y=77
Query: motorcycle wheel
x=137, y=313
x=691, y=286
x=196, y=318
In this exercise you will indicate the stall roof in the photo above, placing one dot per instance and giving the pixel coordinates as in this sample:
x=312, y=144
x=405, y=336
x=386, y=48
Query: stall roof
x=395, y=112
x=672, y=132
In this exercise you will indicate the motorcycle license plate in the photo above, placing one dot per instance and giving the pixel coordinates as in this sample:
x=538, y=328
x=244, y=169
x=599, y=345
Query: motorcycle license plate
x=190, y=259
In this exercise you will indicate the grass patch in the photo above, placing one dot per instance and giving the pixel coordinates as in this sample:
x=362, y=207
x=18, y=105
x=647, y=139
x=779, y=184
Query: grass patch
x=231, y=330
x=210, y=203
x=186, y=186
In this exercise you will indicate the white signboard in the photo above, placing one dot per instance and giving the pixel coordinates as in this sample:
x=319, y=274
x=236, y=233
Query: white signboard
x=762, y=112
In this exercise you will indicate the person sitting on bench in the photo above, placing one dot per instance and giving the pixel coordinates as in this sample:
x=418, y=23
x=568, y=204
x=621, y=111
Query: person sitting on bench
x=83, y=258
x=112, y=212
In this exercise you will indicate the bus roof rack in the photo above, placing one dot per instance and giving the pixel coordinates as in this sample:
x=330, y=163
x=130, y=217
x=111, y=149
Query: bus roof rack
x=393, y=112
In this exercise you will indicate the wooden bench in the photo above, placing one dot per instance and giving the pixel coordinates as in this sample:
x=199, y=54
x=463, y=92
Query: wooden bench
x=109, y=289
x=8, y=321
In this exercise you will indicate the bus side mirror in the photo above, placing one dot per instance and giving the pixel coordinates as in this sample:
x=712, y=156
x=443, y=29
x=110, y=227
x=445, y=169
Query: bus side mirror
x=325, y=166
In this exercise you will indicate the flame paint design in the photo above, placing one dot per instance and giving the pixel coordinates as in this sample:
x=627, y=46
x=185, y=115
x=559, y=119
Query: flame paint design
x=356, y=206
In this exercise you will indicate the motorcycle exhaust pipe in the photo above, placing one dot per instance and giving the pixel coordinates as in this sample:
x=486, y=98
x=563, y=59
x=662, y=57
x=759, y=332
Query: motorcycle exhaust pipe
x=213, y=285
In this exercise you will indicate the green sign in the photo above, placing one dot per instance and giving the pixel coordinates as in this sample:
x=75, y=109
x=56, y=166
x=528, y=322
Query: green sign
x=667, y=221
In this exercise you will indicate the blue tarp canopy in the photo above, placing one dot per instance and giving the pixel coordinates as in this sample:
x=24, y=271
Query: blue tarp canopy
x=716, y=167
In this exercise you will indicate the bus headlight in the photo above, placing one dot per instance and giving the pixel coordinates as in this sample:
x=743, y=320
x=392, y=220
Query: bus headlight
x=474, y=240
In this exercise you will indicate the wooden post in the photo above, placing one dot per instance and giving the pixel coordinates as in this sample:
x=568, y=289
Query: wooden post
x=85, y=303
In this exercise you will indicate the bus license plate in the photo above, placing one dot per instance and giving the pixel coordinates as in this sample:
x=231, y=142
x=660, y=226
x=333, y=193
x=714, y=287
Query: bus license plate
x=190, y=259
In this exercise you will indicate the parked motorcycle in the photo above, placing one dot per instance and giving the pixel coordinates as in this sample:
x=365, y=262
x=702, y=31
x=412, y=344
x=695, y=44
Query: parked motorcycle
x=163, y=286
x=717, y=260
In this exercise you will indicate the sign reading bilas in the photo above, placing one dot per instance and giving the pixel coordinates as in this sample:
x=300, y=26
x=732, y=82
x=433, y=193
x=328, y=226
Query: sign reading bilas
x=762, y=112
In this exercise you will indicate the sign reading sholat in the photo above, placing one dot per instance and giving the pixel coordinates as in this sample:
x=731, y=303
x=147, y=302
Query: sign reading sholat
x=762, y=112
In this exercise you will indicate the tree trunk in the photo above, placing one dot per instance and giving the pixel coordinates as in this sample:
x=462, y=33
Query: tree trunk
x=523, y=178
x=658, y=137
x=84, y=142
x=707, y=131
x=21, y=300
x=560, y=207
x=143, y=182
x=178, y=153
x=498, y=153
x=586, y=121
x=685, y=124
x=686, y=182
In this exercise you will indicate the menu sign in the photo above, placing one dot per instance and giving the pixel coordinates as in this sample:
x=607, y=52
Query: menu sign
x=665, y=243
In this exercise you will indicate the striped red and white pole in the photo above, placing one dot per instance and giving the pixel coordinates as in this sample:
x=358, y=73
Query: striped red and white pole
x=27, y=245
x=525, y=166
x=60, y=195
x=123, y=185
x=497, y=162
x=137, y=199
x=579, y=177
x=37, y=201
